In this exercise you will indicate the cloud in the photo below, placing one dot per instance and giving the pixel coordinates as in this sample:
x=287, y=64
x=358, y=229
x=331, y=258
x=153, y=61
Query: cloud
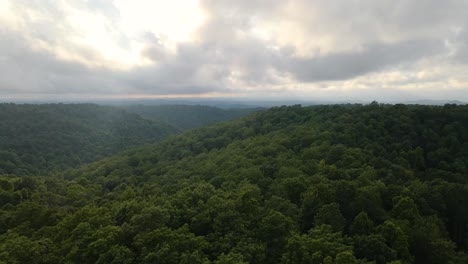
x=256, y=47
x=460, y=46
x=372, y=58
x=35, y=71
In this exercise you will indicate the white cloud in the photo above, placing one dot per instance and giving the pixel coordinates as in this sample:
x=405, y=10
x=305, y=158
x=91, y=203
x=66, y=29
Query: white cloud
x=256, y=47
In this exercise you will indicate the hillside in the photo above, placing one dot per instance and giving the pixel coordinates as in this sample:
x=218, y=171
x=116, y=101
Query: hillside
x=188, y=116
x=323, y=184
x=39, y=138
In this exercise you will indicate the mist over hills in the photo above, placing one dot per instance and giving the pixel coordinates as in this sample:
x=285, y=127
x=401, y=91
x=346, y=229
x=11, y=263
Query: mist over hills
x=47, y=137
x=188, y=116
x=39, y=138
x=248, y=102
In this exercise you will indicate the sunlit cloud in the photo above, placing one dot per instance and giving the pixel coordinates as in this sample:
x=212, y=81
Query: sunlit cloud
x=257, y=48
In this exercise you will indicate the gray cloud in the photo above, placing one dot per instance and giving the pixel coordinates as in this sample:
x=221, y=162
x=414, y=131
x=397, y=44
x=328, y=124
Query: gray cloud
x=342, y=41
x=461, y=46
x=386, y=34
x=346, y=65
x=25, y=70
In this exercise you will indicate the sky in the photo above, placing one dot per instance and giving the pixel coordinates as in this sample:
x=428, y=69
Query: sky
x=294, y=49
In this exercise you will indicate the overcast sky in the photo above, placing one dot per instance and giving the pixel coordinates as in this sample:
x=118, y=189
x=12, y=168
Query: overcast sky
x=322, y=49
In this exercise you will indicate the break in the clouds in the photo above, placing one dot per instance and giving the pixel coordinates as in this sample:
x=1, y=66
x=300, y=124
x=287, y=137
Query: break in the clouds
x=298, y=48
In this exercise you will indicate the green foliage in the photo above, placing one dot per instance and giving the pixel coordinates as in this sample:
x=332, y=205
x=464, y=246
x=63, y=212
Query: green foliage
x=36, y=139
x=345, y=257
x=330, y=215
x=362, y=225
x=188, y=116
x=325, y=184
x=231, y=258
x=317, y=245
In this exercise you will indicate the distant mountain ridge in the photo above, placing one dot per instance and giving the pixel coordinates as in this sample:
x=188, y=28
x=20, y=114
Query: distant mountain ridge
x=188, y=116
x=39, y=138
x=435, y=102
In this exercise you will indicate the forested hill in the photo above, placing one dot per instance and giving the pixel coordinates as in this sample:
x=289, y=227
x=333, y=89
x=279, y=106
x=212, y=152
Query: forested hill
x=188, y=116
x=39, y=138
x=325, y=184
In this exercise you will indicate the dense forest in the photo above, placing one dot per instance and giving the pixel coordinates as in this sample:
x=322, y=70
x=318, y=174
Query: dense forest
x=323, y=184
x=35, y=139
x=186, y=117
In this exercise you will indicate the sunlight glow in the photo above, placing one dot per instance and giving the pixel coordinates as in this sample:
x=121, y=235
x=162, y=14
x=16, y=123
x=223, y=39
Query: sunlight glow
x=174, y=20
x=120, y=42
x=116, y=42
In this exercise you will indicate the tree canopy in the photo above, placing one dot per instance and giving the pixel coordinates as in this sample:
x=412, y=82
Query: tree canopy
x=36, y=139
x=323, y=184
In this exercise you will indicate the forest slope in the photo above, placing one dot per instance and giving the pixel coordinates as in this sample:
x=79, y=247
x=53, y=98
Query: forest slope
x=324, y=184
x=39, y=138
x=188, y=116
